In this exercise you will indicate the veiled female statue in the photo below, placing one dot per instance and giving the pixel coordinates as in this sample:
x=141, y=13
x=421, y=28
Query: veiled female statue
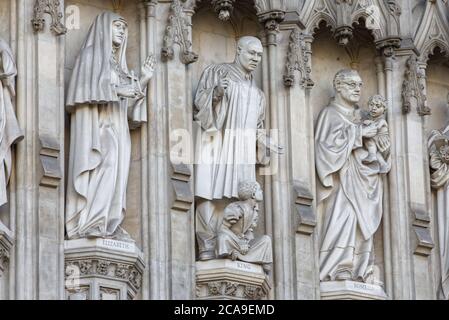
x=103, y=95
x=10, y=131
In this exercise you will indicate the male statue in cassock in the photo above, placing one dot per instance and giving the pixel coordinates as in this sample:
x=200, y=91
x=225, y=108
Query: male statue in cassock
x=230, y=113
x=349, y=189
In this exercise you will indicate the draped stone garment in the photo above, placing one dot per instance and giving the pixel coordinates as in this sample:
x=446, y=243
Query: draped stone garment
x=10, y=131
x=440, y=181
x=229, y=238
x=226, y=147
x=351, y=193
x=100, y=144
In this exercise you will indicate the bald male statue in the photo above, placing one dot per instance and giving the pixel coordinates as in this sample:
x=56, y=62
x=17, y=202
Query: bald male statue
x=230, y=111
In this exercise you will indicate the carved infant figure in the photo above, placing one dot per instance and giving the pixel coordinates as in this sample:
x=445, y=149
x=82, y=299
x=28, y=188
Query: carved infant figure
x=377, y=106
x=235, y=238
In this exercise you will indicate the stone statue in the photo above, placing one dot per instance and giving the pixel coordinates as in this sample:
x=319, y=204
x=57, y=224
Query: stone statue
x=349, y=189
x=377, y=106
x=230, y=111
x=235, y=239
x=439, y=163
x=10, y=132
x=103, y=95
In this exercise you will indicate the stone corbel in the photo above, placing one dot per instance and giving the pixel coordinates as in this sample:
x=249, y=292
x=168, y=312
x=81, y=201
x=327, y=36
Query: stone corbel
x=413, y=88
x=298, y=59
x=178, y=31
x=344, y=31
x=50, y=7
x=6, y=242
x=49, y=156
x=223, y=8
x=388, y=45
x=271, y=21
x=303, y=204
x=421, y=226
x=182, y=192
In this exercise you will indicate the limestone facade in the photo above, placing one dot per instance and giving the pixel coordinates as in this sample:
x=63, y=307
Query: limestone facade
x=400, y=49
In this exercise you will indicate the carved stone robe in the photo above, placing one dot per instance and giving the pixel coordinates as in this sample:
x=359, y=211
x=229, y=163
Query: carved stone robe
x=10, y=131
x=226, y=147
x=100, y=143
x=230, y=237
x=351, y=193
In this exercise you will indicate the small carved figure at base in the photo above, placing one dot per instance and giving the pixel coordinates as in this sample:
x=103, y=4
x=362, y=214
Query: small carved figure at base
x=235, y=239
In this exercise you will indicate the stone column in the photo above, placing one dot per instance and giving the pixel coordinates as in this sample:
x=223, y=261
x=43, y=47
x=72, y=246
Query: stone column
x=409, y=211
x=281, y=205
x=39, y=205
x=298, y=86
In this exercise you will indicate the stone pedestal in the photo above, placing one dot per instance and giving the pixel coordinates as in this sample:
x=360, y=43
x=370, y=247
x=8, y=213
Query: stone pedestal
x=351, y=290
x=230, y=280
x=102, y=269
x=6, y=242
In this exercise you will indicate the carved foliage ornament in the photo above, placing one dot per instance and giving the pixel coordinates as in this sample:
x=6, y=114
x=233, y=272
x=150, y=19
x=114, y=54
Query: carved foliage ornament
x=94, y=267
x=298, y=60
x=178, y=31
x=233, y=289
x=50, y=7
x=413, y=88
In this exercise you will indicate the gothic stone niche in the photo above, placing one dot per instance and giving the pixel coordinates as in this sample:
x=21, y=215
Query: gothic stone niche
x=213, y=199
x=363, y=155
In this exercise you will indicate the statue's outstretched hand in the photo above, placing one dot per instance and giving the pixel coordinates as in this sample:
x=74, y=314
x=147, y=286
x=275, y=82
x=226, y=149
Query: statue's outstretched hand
x=272, y=146
x=148, y=67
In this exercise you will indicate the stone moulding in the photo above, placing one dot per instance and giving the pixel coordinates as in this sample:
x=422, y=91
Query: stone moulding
x=421, y=227
x=50, y=7
x=178, y=31
x=303, y=203
x=49, y=156
x=182, y=192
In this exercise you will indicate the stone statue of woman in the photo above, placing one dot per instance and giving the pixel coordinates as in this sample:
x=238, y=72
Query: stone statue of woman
x=102, y=97
x=10, y=131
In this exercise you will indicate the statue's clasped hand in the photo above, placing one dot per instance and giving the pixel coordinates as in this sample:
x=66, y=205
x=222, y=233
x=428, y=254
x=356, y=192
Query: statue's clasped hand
x=369, y=131
x=129, y=91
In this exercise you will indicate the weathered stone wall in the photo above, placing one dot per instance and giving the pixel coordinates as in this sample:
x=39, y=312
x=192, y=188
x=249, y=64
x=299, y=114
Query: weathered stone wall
x=160, y=201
